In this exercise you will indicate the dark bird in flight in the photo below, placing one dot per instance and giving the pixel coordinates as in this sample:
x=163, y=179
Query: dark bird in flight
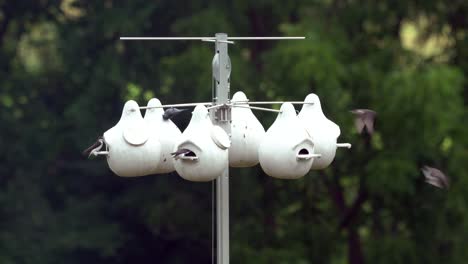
x=435, y=177
x=94, y=148
x=171, y=112
x=179, y=152
x=364, y=119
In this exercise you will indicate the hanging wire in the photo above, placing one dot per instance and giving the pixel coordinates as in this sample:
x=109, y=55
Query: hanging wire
x=232, y=103
x=215, y=106
x=258, y=108
x=217, y=40
x=270, y=102
x=175, y=105
x=208, y=38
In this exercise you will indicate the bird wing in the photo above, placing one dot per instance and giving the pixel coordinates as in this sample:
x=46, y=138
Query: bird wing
x=368, y=119
x=359, y=123
x=95, y=148
x=435, y=177
x=435, y=182
x=364, y=118
x=442, y=178
x=171, y=112
x=167, y=114
x=179, y=152
x=369, y=124
x=95, y=145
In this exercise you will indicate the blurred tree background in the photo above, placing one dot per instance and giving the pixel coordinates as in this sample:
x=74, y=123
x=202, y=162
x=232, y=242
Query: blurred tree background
x=64, y=77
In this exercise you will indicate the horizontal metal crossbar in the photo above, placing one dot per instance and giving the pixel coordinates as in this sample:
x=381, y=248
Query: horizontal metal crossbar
x=210, y=38
x=270, y=102
x=234, y=104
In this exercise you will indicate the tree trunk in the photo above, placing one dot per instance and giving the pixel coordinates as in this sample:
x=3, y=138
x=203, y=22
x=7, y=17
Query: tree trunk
x=355, y=255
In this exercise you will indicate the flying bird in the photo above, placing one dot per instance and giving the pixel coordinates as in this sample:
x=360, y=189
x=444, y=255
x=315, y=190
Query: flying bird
x=94, y=148
x=435, y=177
x=364, y=119
x=171, y=112
x=179, y=152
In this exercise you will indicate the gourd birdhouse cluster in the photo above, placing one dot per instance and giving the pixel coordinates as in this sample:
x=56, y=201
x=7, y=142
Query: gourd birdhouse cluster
x=291, y=147
x=221, y=134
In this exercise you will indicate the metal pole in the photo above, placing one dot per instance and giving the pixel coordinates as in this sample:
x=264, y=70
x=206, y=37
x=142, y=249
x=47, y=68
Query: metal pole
x=222, y=116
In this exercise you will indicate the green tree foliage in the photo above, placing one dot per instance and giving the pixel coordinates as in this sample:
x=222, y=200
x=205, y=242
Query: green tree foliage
x=64, y=77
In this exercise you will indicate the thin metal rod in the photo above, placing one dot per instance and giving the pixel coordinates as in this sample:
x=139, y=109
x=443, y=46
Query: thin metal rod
x=165, y=38
x=264, y=38
x=259, y=108
x=175, y=105
x=214, y=106
x=270, y=102
x=210, y=38
x=222, y=41
x=105, y=153
x=343, y=145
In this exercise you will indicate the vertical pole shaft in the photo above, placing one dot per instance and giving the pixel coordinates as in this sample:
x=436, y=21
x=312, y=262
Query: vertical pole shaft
x=222, y=117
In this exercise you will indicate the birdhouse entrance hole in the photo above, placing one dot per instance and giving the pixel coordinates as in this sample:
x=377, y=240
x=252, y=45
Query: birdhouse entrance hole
x=189, y=156
x=303, y=152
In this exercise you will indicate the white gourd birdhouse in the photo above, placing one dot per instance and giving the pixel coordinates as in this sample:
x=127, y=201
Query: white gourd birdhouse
x=165, y=131
x=207, y=147
x=324, y=132
x=246, y=134
x=286, y=151
x=132, y=151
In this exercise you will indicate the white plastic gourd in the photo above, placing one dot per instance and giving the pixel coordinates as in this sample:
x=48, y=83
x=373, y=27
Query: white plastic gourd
x=246, y=134
x=286, y=151
x=208, y=145
x=324, y=132
x=132, y=151
x=166, y=132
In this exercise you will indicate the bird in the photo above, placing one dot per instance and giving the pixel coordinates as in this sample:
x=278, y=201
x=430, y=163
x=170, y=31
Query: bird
x=171, y=112
x=94, y=148
x=179, y=152
x=364, y=119
x=435, y=177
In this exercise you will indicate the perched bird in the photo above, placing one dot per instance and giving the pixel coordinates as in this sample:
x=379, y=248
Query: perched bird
x=179, y=152
x=171, y=112
x=365, y=119
x=435, y=177
x=94, y=148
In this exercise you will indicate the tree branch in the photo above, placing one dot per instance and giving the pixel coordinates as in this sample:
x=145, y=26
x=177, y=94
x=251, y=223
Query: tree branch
x=336, y=192
x=354, y=210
